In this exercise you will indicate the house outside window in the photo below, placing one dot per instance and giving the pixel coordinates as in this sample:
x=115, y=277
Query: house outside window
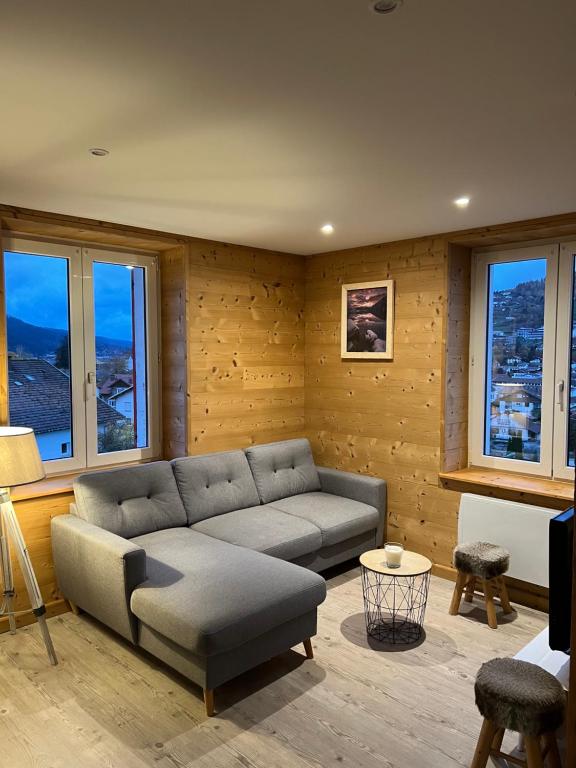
x=82, y=324
x=523, y=360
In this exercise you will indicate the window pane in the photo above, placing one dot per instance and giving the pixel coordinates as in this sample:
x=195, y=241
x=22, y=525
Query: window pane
x=37, y=300
x=121, y=365
x=572, y=398
x=514, y=366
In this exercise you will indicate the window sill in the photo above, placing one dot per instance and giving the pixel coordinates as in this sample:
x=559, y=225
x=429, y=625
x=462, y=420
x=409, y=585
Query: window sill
x=58, y=484
x=491, y=482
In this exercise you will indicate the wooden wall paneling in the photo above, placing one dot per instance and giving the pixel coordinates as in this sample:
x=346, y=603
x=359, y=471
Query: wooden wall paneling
x=61, y=227
x=173, y=309
x=456, y=358
x=383, y=418
x=34, y=516
x=245, y=346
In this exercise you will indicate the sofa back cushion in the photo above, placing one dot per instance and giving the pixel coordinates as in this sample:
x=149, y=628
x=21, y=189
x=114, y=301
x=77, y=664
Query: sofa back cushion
x=214, y=484
x=131, y=501
x=283, y=469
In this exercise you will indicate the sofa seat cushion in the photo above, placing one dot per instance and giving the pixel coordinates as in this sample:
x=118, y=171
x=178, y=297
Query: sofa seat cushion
x=209, y=596
x=265, y=529
x=337, y=517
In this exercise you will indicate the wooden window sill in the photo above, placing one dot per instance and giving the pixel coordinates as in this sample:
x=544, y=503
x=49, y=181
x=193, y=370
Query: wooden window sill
x=51, y=486
x=492, y=481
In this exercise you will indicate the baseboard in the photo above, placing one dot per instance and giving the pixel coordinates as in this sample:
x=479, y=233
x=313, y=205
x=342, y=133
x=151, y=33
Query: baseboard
x=530, y=595
x=53, y=608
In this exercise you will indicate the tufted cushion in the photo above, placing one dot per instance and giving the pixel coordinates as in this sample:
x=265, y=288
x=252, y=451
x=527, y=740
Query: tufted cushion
x=520, y=696
x=283, y=469
x=130, y=501
x=214, y=484
x=481, y=559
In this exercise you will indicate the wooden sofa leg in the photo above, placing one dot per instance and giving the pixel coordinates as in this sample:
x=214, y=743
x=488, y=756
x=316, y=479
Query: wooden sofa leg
x=74, y=608
x=209, y=701
x=308, y=648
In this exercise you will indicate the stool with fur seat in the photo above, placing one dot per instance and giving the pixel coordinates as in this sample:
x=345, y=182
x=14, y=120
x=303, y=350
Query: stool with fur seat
x=518, y=696
x=480, y=561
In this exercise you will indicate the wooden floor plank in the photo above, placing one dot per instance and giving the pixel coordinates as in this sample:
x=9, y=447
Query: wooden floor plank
x=358, y=703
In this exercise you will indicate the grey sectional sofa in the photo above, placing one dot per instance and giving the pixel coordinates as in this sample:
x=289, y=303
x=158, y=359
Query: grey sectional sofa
x=199, y=561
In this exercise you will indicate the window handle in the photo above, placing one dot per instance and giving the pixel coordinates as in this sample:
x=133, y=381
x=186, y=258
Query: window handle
x=90, y=388
x=560, y=386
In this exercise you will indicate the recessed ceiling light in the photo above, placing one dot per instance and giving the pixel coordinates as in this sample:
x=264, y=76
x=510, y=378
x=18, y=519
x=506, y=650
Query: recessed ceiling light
x=327, y=229
x=462, y=202
x=98, y=152
x=386, y=6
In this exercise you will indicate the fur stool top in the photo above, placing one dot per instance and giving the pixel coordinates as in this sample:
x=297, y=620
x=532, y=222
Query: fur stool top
x=520, y=696
x=481, y=559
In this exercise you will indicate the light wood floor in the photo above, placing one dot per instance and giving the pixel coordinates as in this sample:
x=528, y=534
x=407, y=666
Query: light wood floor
x=107, y=706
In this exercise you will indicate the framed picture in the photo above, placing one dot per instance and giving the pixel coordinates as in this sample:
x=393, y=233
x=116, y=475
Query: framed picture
x=368, y=320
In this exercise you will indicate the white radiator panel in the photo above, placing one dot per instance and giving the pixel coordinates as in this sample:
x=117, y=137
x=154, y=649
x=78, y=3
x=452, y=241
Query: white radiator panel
x=521, y=528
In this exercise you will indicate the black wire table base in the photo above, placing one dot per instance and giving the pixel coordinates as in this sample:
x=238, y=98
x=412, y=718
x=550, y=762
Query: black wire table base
x=395, y=606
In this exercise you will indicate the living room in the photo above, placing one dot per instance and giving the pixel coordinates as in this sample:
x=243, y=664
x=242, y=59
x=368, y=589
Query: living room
x=295, y=282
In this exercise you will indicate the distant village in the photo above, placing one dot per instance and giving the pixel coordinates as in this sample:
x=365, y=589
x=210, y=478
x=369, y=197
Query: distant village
x=516, y=393
x=39, y=392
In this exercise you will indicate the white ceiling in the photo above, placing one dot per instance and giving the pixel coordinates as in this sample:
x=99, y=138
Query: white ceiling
x=257, y=121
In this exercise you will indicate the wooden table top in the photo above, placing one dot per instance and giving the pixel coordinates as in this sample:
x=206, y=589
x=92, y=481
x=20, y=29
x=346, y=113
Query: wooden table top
x=413, y=564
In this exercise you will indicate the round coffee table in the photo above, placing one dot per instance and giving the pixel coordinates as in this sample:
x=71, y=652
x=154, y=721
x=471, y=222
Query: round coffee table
x=395, y=598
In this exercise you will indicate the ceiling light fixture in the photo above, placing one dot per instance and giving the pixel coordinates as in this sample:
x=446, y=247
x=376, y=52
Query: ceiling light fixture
x=462, y=202
x=327, y=229
x=386, y=6
x=99, y=152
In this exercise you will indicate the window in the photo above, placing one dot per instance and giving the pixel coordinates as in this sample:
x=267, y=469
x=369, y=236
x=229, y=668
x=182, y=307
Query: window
x=523, y=360
x=82, y=352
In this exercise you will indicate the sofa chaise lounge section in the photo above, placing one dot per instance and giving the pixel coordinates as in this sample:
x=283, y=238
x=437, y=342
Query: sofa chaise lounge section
x=199, y=561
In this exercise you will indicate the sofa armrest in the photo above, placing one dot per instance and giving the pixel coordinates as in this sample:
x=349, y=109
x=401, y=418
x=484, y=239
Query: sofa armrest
x=98, y=571
x=363, y=488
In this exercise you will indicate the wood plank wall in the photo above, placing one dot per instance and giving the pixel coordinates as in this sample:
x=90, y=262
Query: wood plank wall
x=173, y=307
x=238, y=359
x=456, y=358
x=244, y=346
x=385, y=418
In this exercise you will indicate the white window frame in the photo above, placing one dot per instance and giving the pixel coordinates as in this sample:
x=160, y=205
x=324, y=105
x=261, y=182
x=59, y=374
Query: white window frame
x=83, y=354
x=89, y=256
x=563, y=358
x=479, y=333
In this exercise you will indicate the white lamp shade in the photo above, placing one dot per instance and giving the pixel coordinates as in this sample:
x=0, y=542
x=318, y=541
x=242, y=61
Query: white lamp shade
x=20, y=461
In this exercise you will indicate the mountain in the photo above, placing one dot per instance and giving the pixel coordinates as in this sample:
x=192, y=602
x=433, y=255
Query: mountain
x=39, y=342
x=520, y=307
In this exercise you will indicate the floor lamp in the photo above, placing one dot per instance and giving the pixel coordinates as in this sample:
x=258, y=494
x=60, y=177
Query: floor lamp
x=20, y=463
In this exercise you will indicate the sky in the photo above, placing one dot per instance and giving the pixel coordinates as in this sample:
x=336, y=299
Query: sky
x=37, y=292
x=510, y=274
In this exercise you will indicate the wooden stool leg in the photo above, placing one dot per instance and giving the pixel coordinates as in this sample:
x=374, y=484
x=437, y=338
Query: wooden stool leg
x=457, y=596
x=498, y=739
x=553, y=753
x=470, y=587
x=484, y=745
x=308, y=648
x=504, y=599
x=488, y=588
x=533, y=752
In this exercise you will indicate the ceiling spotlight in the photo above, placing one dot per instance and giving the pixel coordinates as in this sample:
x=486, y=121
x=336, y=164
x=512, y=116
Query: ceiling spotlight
x=327, y=229
x=386, y=6
x=462, y=202
x=98, y=152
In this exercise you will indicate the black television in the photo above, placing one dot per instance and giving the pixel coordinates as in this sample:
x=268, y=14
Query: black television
x=561, y=559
